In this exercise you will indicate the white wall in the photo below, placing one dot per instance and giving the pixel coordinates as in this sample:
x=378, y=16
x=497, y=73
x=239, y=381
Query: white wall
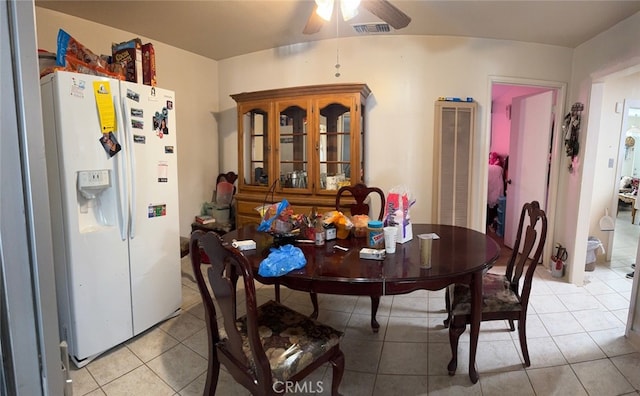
x=611, y=53
x=194, y=80
x=608, y=148
x=406, y=74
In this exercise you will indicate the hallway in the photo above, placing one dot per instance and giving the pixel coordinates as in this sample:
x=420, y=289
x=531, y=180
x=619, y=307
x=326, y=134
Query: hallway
x=625, y=241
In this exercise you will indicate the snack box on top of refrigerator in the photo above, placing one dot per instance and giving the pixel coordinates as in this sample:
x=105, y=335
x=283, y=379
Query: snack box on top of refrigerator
x=129, y=54
x=148, y=65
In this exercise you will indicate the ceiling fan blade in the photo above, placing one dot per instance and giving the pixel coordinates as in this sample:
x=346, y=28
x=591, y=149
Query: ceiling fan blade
x=314, y=23
x=387, y=12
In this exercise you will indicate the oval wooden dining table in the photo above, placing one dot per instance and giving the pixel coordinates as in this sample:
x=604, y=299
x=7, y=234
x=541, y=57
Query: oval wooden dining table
x=460, y=255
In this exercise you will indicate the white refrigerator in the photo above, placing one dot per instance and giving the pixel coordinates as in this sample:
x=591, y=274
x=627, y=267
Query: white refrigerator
x=114, y=203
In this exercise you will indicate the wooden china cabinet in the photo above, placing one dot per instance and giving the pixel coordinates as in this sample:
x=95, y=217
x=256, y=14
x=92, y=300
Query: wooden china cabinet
x=299, y=143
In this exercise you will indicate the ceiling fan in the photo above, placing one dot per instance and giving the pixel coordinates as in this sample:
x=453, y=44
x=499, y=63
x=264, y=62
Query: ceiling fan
x=383, y=9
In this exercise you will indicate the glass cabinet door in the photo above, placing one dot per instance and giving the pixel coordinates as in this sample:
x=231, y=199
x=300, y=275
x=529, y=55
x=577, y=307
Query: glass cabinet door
x=334, y=144
x=293, y=146
x=255, y=132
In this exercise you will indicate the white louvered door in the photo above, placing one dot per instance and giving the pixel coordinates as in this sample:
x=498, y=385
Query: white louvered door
x=454, y=130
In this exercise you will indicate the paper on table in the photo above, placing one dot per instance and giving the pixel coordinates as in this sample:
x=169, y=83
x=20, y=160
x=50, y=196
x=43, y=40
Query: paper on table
x=431, y=235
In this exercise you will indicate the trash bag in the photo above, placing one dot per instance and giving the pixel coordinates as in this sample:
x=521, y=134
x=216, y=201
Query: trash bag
x=593, y=244
x=282, y=260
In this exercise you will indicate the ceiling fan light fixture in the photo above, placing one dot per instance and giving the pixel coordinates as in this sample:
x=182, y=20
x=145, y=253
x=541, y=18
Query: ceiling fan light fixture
x=324, y=9
x=349, y=8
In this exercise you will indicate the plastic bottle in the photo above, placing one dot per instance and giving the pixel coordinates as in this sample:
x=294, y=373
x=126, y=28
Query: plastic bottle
x=375, y=234
x=319, y=234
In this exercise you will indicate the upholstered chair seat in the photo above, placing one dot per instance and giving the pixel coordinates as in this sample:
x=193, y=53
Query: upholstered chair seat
x=290, y=339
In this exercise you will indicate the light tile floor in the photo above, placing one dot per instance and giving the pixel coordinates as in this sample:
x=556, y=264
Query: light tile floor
x=575, y=337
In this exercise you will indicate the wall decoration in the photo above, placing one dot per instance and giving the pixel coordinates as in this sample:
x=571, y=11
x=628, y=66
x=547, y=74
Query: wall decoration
x=629, y=142
x=571, y=129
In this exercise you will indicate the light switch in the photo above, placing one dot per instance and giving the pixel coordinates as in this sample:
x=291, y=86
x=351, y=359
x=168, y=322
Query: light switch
x=610, y=162
x=618, y=107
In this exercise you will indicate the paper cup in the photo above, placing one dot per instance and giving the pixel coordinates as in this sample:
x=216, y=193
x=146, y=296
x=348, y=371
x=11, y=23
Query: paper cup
x=390, y=239
x=426, y=240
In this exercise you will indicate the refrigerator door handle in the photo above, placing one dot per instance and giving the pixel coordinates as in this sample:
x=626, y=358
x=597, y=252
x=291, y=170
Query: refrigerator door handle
x=132, y=171
x=122, y=181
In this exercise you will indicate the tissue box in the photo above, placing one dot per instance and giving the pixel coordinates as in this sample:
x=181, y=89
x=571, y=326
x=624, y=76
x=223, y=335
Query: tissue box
x=372, y=254
x=248, y=244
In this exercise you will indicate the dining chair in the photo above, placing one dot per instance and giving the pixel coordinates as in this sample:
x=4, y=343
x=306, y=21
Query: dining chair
x=229, y=177
x=271, y=347
x=504, y=297
x=359, y=192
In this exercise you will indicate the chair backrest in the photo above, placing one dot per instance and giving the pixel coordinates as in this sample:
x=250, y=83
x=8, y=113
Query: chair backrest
x=360, y=192
x=229, y=177
x=227, y=264
x=529, y=245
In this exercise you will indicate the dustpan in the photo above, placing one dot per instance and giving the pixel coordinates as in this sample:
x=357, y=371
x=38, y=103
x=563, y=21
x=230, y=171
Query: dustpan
x=606, y=222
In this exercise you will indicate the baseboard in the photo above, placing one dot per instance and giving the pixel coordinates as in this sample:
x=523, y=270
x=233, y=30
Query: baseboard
x=634, y=339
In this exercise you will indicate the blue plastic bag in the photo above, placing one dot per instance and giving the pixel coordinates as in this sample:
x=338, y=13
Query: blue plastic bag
x=282, y=260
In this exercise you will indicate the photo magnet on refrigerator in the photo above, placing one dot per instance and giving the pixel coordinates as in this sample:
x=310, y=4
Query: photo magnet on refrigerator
x=110, y=144
x=131, y=94
x=160, y=123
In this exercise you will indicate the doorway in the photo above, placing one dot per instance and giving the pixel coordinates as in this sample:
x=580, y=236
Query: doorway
x=503, y=92
x=624, y=243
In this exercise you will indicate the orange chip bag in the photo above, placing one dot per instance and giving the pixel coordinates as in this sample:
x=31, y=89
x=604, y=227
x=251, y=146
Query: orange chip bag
x=343, y=223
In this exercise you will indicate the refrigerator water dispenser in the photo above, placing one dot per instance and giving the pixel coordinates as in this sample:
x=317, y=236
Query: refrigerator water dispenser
x=91, y=185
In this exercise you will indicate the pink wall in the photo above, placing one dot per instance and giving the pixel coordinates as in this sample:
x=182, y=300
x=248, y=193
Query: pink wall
x=502, y=94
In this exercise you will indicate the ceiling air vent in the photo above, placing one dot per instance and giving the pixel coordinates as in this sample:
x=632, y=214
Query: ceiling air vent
x=366, y=28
